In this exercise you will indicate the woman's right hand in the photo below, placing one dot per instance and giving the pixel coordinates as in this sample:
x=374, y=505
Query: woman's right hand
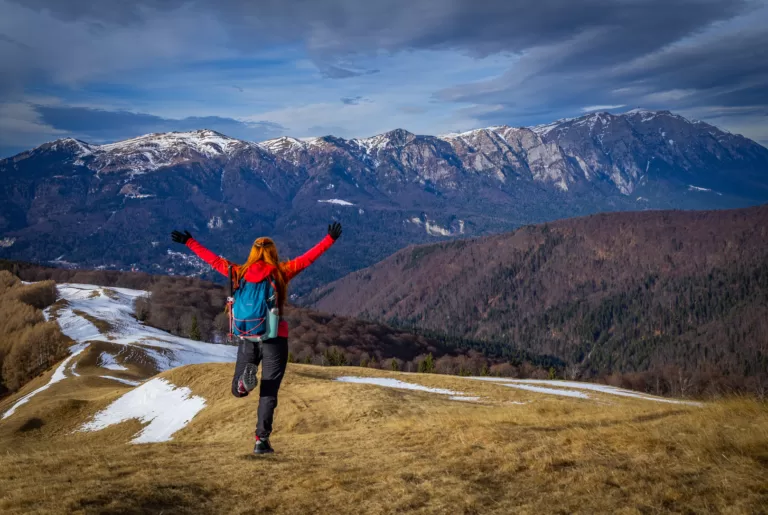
x=181, y=237
x=334, y=230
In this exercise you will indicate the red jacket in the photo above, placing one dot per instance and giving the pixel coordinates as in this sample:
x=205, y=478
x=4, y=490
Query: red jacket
x=260, y=270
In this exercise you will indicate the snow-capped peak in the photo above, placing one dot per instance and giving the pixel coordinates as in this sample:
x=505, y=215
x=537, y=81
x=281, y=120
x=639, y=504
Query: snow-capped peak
x=157, y=150
x=471, y=133
x=395, y=138
x=645, y=115
x=546, y=128
x=206, y=142
x=283, y=144
x=77, y=147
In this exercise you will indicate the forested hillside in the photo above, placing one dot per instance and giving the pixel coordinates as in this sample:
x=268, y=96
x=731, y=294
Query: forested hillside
x=667, y=293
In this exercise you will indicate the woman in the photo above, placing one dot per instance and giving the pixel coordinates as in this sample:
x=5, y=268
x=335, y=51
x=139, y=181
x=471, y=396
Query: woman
x=263, y=262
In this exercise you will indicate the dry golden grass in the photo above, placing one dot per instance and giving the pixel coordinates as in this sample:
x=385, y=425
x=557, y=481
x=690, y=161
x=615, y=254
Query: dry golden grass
x=347, y=448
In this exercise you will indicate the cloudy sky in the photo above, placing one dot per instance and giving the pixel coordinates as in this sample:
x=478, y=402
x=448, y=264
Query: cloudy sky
x=256, y=69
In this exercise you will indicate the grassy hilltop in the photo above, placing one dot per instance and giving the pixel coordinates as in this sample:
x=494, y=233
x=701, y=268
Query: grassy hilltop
x=350, y=448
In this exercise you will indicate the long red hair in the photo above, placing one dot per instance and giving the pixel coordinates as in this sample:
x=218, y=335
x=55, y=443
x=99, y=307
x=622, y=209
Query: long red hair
x=264, y=249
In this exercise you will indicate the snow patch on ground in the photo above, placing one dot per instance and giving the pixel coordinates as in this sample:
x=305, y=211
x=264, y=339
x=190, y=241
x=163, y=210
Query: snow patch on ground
x=433, y=229
x=691, y=187
x=108, y=361
x=336, y=201
x=57, y=376
x=610, y=390
x=436, y=230
x=215, y=222
x=165, y=407
x=529, y=384
x=550, y=391
x=388, y=382
x=120, y=379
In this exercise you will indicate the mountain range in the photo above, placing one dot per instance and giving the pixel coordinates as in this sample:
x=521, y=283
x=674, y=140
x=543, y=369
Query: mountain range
x=113, y=205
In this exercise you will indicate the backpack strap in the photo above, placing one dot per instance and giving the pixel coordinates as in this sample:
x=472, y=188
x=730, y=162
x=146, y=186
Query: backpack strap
x=230, y=303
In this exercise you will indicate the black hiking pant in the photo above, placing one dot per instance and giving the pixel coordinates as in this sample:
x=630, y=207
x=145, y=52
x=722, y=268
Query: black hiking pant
x=273, y=355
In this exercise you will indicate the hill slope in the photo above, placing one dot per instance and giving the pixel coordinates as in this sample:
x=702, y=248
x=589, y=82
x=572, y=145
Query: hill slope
x=352, y=439
x=186, y=306
x=609, y=293
x=114, y=205
x=347, y=448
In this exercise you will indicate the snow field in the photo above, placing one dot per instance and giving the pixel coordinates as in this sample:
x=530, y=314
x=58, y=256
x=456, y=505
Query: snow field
x=115, y=306
x=165, y=407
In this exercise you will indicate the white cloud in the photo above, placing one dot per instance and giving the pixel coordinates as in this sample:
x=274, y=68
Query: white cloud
x=21, y=126
x=589, y=109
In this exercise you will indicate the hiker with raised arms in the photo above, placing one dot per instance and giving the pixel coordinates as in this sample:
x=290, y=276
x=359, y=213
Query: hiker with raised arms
x=256, y=317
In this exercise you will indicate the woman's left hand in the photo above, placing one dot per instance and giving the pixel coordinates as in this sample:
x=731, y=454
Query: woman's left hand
x=334, y=230
x=181, y=237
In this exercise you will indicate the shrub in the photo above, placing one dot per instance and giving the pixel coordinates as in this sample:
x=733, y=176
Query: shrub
x=38, y=348
x=28, y=344
x=39, y=295
x=7, y=280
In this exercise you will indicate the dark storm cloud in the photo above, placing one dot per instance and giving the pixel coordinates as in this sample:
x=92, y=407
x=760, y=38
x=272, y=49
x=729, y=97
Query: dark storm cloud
x=730, y=69
x=571, y=53
x=116, y=11
x=594, y=33
x=353, y=101
x=330, y=71
x=7, y=40
x=98, y=126
x=722, y=64
x=480, y=26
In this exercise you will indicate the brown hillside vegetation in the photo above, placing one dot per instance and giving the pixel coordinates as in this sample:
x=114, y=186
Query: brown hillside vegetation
x=28, y=344
x=667, y=293
x=348, y=448
x=316, y=338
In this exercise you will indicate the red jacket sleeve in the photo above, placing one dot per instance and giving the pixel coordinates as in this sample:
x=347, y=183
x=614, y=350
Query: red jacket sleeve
x=218, y=263
x=292, y=268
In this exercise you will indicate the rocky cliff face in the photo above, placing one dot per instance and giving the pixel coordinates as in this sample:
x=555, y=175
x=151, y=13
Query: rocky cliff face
x=113, y=205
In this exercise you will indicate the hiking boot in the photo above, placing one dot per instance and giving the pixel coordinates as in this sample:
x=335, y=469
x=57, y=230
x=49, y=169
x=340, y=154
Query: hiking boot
x=262, y=446
x=248, y=380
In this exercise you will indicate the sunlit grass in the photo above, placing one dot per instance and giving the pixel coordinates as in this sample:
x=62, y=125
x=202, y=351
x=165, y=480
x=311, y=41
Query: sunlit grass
x=348, y=448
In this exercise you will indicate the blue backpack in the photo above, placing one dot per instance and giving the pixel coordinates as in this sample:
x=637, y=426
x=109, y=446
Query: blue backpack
x=253, y=310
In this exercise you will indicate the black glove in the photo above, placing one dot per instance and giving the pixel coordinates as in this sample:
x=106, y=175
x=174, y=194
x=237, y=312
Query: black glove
x=334, y=230
x=181, y=237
